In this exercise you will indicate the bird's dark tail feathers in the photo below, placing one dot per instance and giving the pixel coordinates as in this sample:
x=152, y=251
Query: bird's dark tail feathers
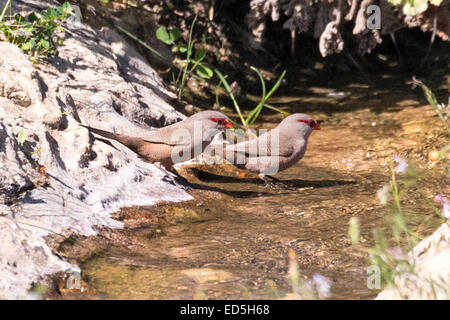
x=103, y=133
x=130, y=142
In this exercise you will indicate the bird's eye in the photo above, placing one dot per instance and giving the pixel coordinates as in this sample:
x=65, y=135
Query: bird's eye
x=312, y=124
x=220, y=122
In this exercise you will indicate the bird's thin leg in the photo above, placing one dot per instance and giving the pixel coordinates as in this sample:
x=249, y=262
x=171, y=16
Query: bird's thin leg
x=275, y=183
x=268, y=183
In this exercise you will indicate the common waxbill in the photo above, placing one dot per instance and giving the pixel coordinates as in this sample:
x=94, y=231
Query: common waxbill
x=274, y=150
x=175, y=143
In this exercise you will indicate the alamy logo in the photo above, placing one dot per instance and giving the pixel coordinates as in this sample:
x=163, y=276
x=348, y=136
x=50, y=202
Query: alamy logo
x=74, y=280
x=373, y=277
x=373, y=21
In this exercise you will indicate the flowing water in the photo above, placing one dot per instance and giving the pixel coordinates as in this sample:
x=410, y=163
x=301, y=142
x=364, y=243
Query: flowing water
x=233, y=240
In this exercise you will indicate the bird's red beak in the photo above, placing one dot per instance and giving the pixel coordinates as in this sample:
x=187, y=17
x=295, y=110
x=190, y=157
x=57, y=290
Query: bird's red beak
x=316, y=126
x=223, y=122
x=229, y=125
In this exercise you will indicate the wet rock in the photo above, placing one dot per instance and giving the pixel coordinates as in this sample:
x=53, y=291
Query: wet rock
x=60, y=179
x=182, y=214
x=205, y=275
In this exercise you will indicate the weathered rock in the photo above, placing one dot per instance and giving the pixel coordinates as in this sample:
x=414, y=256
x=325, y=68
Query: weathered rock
x=430, y=275
x=61, y=180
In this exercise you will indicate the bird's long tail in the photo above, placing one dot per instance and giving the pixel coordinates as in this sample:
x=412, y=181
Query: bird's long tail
x=130, y=142
x=103, y=133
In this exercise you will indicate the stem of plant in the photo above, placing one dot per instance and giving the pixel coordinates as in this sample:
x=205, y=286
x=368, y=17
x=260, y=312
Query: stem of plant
x=255, y=112
x=188, y=58
x=4, y=10
x=143, y=43
x=230, y=93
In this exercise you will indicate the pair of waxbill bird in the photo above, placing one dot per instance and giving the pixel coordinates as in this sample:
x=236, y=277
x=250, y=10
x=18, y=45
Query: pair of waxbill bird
x=161, y=145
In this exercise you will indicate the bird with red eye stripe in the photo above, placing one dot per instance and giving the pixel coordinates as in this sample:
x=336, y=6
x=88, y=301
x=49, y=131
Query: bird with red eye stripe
x=274, y=150
x=192, y=135
x=222, y=123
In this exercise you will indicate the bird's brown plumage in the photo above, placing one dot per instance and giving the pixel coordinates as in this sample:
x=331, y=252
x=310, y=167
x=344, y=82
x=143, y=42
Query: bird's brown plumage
x=189, y=136
x=274, y=150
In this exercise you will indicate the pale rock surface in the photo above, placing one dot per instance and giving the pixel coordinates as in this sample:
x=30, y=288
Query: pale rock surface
x=430, y=277
x=98, y=79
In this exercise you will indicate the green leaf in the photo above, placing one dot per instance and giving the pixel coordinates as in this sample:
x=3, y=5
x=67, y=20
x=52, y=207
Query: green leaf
x=163, y=35
x=183, y=49
x=199, y=54
x=51, y=13
x=60, y=11
x=21, y=136
x=32, y=17
x=28, y=28
x=27, y=46
x=415, y=7
x=44, y=43
x=204, y=71
x=174, y=34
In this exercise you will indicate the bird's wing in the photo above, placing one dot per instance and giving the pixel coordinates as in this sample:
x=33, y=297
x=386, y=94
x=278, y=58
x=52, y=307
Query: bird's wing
x=252, y=148
x=168, y=142
x=173, y=135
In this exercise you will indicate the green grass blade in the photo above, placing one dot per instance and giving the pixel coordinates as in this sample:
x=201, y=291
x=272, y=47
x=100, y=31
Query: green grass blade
x=276, y=109
x=143, y=43
x=275, y=87
x=254, y=114
x=217, y=92
x=263, y=83
x=4, y=10
x=230, y=93
x=188, y=59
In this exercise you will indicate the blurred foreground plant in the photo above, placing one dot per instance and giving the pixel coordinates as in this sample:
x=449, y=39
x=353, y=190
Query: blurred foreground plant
x=443, y=111
x=391, y=254
x=317, y=288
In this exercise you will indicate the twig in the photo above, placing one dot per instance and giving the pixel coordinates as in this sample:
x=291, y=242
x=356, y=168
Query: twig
x=397, y=49
x=433, y=36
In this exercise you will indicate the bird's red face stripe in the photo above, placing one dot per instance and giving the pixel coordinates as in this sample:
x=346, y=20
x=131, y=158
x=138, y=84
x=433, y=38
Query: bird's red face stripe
x=223, y=122
x=313, y=125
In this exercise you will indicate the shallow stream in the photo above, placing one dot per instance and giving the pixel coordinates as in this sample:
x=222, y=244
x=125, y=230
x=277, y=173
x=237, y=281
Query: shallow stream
x=233, y=240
